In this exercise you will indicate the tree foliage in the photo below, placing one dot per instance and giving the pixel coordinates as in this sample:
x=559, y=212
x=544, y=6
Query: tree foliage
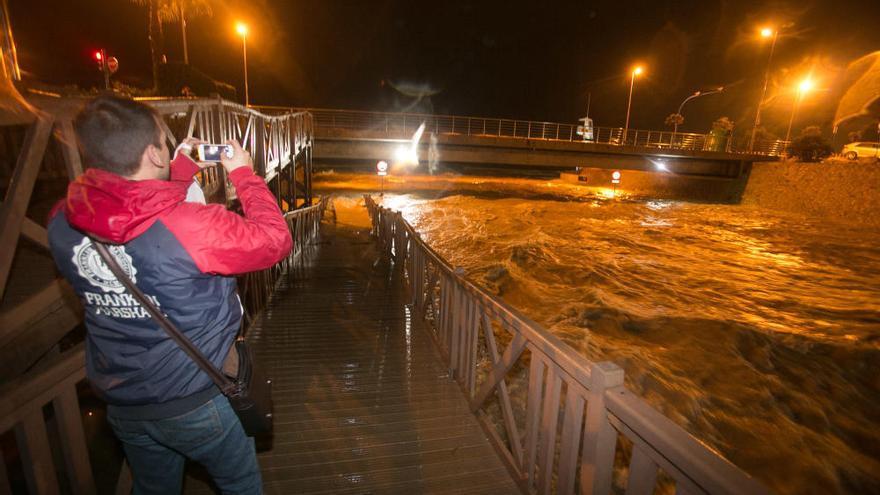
x=170, y=10
x=674, y=119
x=723, y=124
x=810, y=146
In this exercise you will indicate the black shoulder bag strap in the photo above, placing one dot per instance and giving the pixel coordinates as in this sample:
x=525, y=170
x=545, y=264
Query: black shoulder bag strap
x=227, y=386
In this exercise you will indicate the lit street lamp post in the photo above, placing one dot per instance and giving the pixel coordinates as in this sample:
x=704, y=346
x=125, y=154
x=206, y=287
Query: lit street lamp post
x=696, y=94
x=183, y=34
x=635, y=72
x=242, y=30
x=805, y=86
x=765, y=33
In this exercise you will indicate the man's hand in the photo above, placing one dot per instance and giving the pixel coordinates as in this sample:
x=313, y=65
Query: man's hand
x=187, y=146
x=240, y=157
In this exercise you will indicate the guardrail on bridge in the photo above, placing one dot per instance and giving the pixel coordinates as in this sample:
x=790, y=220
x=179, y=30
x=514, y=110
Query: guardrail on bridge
x=575, y=409
x=405, y=124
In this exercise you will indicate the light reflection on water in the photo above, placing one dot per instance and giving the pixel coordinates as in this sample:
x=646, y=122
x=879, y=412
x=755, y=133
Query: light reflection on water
x=759, y=332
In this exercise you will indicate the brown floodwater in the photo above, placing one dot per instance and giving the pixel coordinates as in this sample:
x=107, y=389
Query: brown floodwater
x=757, y=331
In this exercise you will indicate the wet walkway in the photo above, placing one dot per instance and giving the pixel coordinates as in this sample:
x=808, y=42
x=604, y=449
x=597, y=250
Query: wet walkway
x=362, y=402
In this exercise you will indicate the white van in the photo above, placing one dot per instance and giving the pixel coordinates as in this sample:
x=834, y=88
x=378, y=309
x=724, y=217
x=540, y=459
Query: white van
x=585, y=130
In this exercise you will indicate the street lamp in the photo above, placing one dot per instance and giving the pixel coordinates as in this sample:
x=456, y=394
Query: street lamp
x=803, y=88
x=696, y=94
x=242, y=30
x=637, y=70
x=766, y=32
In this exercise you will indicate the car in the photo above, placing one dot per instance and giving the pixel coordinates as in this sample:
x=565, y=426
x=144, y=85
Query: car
x=861, y=149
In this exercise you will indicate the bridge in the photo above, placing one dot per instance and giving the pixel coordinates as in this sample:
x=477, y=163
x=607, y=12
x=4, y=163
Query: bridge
x=394, y=373
x=348, y=135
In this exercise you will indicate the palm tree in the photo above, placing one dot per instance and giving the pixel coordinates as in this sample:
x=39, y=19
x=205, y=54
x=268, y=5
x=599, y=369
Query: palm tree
x=159, y=11
x=179, y=10
x=154, y=34
x=674, y=120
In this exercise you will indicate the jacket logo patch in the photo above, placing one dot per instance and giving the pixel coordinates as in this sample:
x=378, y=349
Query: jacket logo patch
x=91, y=267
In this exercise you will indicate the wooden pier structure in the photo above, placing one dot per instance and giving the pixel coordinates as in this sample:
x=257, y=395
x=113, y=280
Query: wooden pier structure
x=393, y=372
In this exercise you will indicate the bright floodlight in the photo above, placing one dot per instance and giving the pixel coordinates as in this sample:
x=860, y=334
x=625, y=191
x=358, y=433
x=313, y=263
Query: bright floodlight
x=638, y=70
x=766, y=32
x=241, y=28
x=805, y=85
x=406, y=155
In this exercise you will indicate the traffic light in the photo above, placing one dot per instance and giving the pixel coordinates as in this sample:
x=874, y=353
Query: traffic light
x=99, y=59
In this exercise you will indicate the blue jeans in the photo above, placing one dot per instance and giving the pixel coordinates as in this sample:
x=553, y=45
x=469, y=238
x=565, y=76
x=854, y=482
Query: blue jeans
x=210, y=434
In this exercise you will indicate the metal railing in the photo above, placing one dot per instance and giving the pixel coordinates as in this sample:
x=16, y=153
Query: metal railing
x=280, y=146
x=403, y=125
x=274, y=141
x=564, y=438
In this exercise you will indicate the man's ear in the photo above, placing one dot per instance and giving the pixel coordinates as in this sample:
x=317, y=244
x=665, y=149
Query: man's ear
x=153, y=156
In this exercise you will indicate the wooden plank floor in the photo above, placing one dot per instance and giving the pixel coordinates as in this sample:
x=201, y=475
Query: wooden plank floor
x=362, y=402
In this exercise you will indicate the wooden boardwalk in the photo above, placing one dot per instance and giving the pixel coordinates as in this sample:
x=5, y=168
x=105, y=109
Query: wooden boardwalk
x=362, y=401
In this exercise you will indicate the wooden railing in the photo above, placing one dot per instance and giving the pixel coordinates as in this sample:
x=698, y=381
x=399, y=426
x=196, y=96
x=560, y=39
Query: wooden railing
x=256, y=288
x=280, y=146
x=556, y=419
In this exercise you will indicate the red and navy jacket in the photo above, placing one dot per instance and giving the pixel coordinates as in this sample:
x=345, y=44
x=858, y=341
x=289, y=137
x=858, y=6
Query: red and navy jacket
x=182, y=255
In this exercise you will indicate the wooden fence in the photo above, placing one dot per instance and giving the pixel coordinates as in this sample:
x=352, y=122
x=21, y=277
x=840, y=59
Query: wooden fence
x=568, y=419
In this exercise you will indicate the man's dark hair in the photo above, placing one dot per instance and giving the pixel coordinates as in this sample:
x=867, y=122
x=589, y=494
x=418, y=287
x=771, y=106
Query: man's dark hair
x=113, y=133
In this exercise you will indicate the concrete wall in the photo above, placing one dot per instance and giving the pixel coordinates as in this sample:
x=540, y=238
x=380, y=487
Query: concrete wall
x=663, y=185
x=839, y=191
x=843, y=191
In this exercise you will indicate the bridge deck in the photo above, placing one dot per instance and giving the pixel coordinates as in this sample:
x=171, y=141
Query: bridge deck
x=362, y=402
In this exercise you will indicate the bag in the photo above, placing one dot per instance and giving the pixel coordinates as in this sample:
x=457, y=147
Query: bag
x=253, y=400
x=241, y=381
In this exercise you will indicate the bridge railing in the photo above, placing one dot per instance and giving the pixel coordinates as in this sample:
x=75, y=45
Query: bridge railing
x=556, y=419
x=280, y=146
x=403, y=125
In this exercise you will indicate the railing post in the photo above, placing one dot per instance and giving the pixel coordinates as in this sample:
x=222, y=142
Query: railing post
x=73, y=441
x=36, y=454
x=600, y=438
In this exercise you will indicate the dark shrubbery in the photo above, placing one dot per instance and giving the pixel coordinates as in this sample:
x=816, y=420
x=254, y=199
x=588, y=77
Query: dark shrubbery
x=174, y=76
x=810, y=146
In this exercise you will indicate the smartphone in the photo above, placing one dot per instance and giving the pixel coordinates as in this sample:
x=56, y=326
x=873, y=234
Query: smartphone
x=213, y=152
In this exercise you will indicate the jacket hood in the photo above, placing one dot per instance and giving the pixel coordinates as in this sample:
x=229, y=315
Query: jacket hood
x=116, y=209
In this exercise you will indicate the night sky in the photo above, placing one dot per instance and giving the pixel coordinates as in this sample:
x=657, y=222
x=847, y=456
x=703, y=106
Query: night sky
x=527, y=60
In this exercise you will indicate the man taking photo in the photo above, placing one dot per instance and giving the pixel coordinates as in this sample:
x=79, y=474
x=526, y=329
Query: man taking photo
x=182, y=255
